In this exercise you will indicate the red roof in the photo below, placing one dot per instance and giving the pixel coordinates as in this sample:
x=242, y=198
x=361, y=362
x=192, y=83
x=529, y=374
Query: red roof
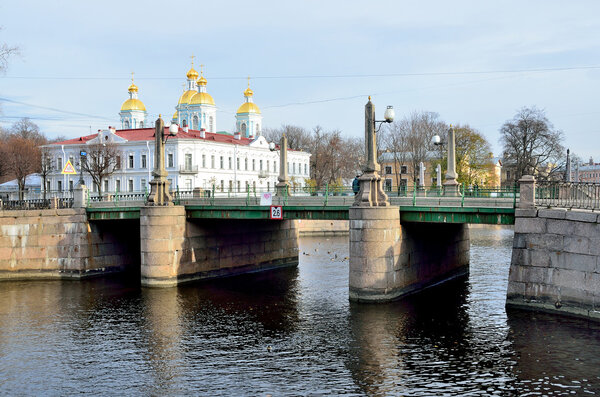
x=147, y=134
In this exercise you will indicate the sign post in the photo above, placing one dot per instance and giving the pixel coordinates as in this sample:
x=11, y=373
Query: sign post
x=277, y=212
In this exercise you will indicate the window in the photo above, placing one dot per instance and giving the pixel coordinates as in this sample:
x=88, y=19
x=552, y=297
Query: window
x=212, y=161
x=118, y=185
x=188, y=161
x=170, y=160
x=267, y=165
x=48, y=186
x=59, y=165
x=221, y=164
x=203, y=161
x=243, y=129
x=222, y=185
x=131, y=161
x=238, y=186
x=237, y=163
x=293, y=168
x=260, y=165
x=229, y=162
x=507, y=174
x=144, y=163
x=253, y=165
x=230, y=185
x=195, y=123
x=268, y=186
x=143, y=185
x=59, y=185
x=403, y=169
x=71, y=185
x=106, y=185
x=118, y=163
x=188, y=184
x=254, y=186
x=305, y=169
x=388, y=185
x=388, y=170
x=246, y=163
x=184, y=123
x=130, y=187
x=141, y=124
x=126, y=125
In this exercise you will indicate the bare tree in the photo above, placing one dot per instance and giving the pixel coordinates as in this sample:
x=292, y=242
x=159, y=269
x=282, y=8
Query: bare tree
x=395, y=145
x=6, y=52
x=473, y=155
x=530, y=143
x=101, y=162
x=298, y=137
x=45, y=169
x=417, y=130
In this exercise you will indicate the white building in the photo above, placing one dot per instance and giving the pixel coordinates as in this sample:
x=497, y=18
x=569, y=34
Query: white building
x=198, y=157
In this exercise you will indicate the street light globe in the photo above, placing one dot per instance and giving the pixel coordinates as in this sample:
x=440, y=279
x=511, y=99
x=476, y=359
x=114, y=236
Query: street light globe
x=173, y=129
x=436, y=140
x=272, y=146
x=389, y=114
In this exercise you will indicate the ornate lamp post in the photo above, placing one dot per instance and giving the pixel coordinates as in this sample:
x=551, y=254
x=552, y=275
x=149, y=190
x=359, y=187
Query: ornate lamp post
x=283, y=185
x=159, y=185
x=371, y=192
x=450, y=183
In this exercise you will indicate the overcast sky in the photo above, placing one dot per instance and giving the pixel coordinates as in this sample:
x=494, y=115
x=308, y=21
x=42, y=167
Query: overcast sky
x=311, y=62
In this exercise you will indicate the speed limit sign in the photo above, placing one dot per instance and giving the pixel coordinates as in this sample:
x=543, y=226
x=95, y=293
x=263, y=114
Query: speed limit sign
x=276, y=212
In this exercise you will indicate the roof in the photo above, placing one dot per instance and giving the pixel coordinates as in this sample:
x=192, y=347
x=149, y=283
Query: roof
x=31, y=181
x=147, y=134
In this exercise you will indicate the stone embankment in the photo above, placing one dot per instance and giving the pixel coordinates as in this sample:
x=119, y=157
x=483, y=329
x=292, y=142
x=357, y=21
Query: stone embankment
x=60, y=243
x=555, y=263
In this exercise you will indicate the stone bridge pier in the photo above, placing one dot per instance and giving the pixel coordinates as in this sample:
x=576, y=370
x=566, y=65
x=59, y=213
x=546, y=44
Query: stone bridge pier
x=388, y=259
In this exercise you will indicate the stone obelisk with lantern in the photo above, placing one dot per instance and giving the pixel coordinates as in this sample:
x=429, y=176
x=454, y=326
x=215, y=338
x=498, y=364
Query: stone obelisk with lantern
x=375, y=233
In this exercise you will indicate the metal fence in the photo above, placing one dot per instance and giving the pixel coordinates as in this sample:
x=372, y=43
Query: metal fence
x=581, y=195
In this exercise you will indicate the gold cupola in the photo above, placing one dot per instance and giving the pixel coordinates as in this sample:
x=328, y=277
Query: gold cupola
x=133, y=103
x=202, y=97
x=249, y=106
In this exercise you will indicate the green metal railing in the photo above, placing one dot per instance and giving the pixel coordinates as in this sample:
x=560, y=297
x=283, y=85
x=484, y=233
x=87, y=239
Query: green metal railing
x=580, y=195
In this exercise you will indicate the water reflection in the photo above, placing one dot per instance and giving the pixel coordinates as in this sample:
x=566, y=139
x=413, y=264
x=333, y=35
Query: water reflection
x=291, y=332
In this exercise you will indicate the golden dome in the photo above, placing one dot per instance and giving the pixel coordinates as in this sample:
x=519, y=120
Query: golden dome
x=132, y=88
x=186, y=96
x=175, y=115
x=133, y=104
x=201, y=81
x=248, y=92
x=202, y=98
x=192, y=74
x=248, y=107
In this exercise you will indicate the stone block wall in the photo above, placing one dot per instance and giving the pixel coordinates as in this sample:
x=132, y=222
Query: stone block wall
x=310, y=227
x=176, y=249
x=555, y=263
x=60, y=243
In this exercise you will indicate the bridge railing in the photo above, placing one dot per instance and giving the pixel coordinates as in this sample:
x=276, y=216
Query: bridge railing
x=31, y=200
x=579, y=195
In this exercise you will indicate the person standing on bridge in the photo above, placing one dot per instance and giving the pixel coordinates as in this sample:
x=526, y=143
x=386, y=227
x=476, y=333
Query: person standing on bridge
x=355, y=185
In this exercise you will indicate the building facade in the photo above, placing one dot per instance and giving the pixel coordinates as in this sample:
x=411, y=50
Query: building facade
x=197, y=157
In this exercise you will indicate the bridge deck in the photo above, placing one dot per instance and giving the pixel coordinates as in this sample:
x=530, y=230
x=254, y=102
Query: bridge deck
x=433, y=210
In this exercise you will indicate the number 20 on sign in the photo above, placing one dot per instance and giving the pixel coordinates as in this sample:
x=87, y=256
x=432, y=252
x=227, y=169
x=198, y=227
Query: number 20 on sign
x=276, y=212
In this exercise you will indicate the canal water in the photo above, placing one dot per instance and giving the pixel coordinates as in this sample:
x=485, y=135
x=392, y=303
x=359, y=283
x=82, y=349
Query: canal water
x=292, y=332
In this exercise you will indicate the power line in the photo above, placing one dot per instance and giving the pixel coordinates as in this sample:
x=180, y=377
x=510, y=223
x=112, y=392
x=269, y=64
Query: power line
x=321, y=76
x=55, y=109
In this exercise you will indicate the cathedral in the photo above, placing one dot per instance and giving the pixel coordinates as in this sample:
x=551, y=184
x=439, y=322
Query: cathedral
x=198, y=157
x=195, y=109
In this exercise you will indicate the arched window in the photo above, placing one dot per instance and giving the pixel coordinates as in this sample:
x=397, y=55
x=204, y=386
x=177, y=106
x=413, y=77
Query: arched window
x=257, y=129
x=210, y=124
x=184, y=124
x=244, y=129
x=126, y=124
x=141, y=124
x=195, y=123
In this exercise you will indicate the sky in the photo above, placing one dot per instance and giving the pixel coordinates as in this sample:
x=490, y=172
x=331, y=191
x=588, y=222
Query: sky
x=310, y=62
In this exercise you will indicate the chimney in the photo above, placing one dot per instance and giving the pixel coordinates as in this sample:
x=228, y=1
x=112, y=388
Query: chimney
x=186, y=129
x=202, y=133
x=237, y=136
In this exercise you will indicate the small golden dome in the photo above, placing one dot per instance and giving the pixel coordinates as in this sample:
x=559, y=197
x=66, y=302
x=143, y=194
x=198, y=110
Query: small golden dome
x=186, y=96
x=133, y=104
x=201, y=81
x=248, y=92
x=202, y=98
x=132, y=88
x=248, y=107
x=175, y=116
x=192, y=74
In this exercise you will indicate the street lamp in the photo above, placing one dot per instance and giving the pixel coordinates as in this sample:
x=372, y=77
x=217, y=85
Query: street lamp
x=282, y=188
x=159, y=185
x=388, y=117
x=450, y=183
x=82, y=155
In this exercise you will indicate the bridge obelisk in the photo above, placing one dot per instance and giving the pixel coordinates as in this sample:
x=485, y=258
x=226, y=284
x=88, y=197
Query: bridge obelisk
x=375, y=234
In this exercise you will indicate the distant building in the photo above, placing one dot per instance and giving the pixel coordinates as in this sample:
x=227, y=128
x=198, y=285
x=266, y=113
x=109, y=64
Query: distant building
x=198, y=157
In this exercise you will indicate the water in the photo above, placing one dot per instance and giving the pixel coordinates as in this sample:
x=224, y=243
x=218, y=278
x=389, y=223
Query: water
x=292, y=332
